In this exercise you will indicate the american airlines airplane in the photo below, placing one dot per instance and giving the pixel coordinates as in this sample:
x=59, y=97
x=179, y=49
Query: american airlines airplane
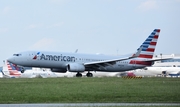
x=10, y=70
x=75, y=62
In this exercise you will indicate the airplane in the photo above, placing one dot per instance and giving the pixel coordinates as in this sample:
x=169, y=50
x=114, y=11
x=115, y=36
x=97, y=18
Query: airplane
x=13, y=71
x=165, y=69
x=76, y=62
x=10, y=71
x=174, y=74
x=38, y=72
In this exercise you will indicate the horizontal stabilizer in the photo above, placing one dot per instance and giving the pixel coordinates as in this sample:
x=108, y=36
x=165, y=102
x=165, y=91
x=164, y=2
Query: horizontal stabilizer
x=152, y=60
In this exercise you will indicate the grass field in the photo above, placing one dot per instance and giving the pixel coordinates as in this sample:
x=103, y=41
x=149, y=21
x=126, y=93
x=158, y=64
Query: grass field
x=89, y=90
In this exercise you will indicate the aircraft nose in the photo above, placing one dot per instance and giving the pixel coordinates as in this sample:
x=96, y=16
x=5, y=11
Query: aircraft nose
x=11, y=59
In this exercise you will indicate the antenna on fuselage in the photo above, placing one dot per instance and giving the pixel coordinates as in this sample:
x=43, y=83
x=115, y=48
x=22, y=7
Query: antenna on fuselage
x=76, y=51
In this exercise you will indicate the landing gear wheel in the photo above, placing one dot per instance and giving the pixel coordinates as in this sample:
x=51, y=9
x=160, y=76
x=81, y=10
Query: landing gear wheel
x=22, y=70
x=89, y=75
x=78, y=75
x=164, y=73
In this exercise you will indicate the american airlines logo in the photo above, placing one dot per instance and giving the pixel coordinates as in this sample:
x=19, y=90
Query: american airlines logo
x=35, y=57
x=55, y=57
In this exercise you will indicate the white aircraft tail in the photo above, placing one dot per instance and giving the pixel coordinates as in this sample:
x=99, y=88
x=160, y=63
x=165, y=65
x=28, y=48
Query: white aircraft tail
x=13, y=69
x=149, y=45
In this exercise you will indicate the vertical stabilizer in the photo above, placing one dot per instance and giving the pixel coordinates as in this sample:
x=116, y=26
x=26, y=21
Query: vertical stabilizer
x=149, y=45
x=13, y=69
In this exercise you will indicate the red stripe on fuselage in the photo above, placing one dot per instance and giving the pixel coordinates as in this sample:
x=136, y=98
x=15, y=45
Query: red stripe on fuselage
x=145, y=56
x=140, y=62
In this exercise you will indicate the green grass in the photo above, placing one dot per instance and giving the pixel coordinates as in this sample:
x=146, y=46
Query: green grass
x=90, y=90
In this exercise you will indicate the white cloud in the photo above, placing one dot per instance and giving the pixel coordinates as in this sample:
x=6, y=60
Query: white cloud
x=148, y=5
x=6, y=9
x=43, y=44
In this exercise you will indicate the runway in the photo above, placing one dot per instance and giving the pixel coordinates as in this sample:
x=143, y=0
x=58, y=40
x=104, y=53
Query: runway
x=88, y=104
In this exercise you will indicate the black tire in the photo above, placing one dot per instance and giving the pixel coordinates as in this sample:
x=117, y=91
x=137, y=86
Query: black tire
x=78, y=75
x=22, y=71
x=89, y=75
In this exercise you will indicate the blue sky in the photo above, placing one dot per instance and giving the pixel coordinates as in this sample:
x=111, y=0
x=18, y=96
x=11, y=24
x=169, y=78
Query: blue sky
x=92, y=26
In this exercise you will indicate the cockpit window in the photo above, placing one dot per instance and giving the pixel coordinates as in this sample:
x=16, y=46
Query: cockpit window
x=16, y=54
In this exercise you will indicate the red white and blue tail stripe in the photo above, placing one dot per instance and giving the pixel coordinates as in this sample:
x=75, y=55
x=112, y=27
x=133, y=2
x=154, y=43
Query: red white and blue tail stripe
x=13, y=69
x=149, y=45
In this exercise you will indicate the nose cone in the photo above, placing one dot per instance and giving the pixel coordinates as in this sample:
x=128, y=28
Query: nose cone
x=11, y=59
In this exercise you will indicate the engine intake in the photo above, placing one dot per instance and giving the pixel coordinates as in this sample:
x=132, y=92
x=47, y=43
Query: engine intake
x=75, y=67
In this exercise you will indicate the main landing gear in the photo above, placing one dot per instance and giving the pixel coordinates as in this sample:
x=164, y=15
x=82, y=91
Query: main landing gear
x=88, y=74
x=22, y=70
x=78, y=74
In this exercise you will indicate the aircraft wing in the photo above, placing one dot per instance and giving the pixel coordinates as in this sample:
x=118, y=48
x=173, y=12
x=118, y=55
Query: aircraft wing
x=104, y=63
x=111, y=62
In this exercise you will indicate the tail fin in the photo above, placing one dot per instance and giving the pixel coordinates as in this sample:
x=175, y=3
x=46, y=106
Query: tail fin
x=13, y=69
x=149, y=45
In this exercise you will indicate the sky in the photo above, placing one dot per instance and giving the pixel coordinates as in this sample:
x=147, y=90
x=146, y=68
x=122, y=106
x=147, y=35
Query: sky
x=91, y=26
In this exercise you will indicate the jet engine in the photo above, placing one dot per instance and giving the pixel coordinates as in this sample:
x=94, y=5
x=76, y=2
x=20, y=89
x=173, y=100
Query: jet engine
x=75, y=67
x=59, y=70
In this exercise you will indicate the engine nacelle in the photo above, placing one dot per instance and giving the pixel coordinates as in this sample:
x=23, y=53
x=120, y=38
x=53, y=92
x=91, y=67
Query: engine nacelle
x=59, y=70
x=75, y=67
